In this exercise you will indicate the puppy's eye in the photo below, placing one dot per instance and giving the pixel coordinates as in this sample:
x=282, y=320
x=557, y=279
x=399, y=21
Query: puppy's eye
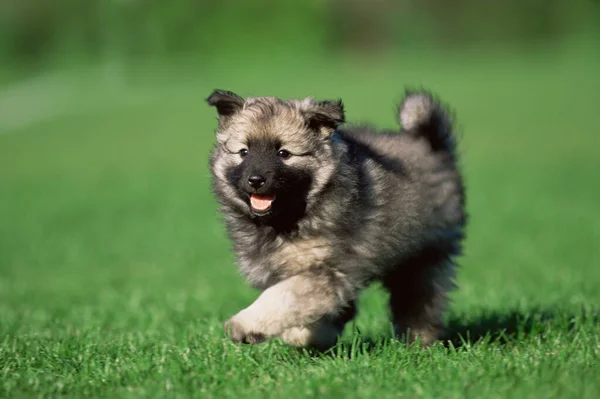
x=285, y=154
x=243, y=152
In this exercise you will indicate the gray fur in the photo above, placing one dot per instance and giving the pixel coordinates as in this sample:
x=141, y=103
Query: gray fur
x=387, y=206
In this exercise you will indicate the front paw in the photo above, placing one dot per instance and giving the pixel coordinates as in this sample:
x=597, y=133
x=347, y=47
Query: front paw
x=238, y=332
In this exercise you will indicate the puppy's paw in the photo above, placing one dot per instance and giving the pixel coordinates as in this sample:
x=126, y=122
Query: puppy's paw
x=322, y=335
x=297, y=336
x=238, y=332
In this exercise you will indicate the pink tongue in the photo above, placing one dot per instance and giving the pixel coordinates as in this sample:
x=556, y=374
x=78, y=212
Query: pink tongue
x=261, y=202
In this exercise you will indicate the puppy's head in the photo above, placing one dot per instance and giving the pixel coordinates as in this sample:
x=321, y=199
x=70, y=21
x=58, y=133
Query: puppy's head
x=273, y=157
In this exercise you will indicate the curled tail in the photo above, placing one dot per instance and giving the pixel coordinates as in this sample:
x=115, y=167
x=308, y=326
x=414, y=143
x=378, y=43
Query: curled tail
x=421, y=114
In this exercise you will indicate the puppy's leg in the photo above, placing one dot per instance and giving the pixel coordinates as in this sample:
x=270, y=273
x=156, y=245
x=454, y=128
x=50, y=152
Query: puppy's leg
x=301, y=300
x=418, y=295
x=324, y=333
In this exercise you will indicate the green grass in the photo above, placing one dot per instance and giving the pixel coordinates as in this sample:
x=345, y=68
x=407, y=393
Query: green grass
x=116, y=276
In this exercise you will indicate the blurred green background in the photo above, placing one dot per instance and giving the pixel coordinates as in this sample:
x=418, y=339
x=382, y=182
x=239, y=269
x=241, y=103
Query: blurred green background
x=115, y=272
x=127, y=30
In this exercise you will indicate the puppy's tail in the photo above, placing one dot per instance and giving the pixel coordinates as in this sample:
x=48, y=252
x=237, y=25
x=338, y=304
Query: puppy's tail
x=421, y=114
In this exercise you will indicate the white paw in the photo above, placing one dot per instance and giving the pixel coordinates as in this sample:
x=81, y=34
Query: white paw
x=238, y=331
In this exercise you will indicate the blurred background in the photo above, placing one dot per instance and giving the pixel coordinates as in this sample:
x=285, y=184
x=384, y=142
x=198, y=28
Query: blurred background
x=106, y=215
x=37, y=32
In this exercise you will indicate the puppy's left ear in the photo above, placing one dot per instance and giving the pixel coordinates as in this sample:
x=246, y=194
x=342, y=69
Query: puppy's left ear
x=227, y=104
x=324, y=116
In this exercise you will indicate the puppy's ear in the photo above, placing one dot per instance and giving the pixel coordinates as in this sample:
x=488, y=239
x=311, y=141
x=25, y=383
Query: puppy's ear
x=324, y=116
x=226, y=102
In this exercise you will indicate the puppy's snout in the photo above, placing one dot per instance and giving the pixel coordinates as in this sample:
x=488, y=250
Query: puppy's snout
x=256, y=181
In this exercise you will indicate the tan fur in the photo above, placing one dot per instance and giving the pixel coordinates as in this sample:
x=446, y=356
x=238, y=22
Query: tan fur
x=297, y=255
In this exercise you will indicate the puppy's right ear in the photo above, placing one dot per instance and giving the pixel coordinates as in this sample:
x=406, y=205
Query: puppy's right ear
x=226, y=102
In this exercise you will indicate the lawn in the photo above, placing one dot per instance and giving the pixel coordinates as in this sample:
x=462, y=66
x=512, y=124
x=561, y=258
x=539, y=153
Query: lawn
x=116, y=275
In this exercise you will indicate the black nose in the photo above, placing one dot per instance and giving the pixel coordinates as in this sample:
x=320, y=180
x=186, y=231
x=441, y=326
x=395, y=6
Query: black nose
x=256, y=181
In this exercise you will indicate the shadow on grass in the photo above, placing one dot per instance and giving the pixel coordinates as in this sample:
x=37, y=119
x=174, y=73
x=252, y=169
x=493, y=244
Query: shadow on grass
x=498, y=327
x=503, y=327
x=510, y=325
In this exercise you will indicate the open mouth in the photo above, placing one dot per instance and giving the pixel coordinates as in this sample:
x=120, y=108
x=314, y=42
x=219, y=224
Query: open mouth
x=261, y=204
